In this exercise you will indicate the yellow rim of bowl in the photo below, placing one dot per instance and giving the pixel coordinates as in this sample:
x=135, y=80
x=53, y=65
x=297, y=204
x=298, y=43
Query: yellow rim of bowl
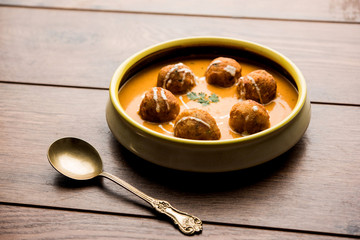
x=267, y=52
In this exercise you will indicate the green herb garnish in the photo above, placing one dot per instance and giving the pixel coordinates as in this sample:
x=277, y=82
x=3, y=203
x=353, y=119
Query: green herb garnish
x=202, y=95
x=192, y=96
x=214, y=98
x=204, y=101
x=202, y=98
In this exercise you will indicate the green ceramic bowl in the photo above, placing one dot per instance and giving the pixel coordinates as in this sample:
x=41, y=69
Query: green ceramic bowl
x=207, y=156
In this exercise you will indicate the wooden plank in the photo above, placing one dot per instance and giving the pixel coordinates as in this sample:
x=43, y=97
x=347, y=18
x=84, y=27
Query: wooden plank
x=312, y=187
x=325, y=10
x=85, y=48
x=37, y=223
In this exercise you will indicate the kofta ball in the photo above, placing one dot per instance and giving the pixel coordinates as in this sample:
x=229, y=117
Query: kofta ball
x=177, y=78
x=258, y=85
x=159, y=105
x=248, y=117
x=223, y=72
x=196, y=124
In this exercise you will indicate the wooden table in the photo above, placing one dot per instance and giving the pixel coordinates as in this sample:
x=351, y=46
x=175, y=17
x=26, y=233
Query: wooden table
x=56, y=61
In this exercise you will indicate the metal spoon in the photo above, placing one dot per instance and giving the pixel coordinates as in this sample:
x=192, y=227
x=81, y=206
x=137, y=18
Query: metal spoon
x=79, y=160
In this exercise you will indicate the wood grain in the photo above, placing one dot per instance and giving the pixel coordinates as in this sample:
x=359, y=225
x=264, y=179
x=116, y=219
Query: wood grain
x=56, y=61
x=325, y=10
x=312, y=187
x=84, y=48
x=34, y=223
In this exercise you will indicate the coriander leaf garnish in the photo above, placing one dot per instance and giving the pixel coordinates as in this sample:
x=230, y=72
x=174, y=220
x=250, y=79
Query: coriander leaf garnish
x=204, y=101
x=192, y=96
x=202, y=98
x=214, y=98
x=202, y=95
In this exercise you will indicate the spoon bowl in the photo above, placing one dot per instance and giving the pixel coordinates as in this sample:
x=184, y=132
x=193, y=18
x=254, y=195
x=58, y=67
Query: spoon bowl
x=78, y=160
x=75, y=159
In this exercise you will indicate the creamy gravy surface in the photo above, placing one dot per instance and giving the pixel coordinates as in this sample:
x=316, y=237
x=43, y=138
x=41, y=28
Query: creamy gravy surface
x=132, y=92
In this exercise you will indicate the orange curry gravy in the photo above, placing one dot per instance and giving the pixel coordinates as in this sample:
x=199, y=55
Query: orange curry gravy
x=132, y=92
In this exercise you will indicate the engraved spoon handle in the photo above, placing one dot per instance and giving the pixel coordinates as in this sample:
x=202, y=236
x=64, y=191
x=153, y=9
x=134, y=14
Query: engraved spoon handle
x=187, y=223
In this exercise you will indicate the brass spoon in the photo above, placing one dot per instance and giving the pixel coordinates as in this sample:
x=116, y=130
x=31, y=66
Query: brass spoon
x=79, y=160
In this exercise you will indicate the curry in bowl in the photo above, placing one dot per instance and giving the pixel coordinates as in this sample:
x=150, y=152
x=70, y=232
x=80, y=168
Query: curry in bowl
x=208, y=99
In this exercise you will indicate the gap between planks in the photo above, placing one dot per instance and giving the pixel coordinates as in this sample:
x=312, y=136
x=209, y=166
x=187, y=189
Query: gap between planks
x=24, y=205
x=175, y=14
x=107, y=89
